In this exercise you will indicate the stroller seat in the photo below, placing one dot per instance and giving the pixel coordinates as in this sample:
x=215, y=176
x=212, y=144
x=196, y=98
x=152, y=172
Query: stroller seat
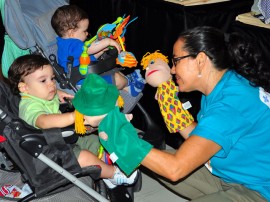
x=44, y=158
x=106, y=64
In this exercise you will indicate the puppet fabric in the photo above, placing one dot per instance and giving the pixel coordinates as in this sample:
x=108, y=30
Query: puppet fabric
x=117, y=135
x=95, y=97
x=120, y=139
x=175, y=117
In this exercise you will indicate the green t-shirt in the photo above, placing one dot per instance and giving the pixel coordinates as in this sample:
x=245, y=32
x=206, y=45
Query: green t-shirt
x=11, y=51
x=31, y=107
x=2, y=6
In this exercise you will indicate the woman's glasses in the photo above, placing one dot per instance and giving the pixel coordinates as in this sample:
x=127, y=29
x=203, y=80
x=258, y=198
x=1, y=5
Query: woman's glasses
x=175, y=60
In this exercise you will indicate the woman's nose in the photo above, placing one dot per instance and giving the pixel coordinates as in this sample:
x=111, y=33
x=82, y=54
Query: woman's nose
x=173, y=70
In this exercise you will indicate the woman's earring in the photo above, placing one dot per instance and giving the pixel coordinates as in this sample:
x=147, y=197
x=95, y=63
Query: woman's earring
x=200, y=75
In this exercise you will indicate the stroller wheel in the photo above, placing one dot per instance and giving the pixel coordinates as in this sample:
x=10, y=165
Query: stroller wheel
x=125, y=193
x=120, y=193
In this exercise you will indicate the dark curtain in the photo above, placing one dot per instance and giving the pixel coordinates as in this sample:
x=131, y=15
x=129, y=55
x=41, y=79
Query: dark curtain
x=261, y=36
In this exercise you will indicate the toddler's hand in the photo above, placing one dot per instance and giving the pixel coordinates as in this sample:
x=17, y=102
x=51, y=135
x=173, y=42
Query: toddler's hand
x=62, y=95
x=98, y=47
x=115, y=44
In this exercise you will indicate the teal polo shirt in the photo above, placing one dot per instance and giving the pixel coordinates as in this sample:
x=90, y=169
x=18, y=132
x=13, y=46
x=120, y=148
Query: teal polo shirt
x=236, y=116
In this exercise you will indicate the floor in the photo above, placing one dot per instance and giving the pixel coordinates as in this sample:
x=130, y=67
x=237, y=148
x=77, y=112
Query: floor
x=153, y=191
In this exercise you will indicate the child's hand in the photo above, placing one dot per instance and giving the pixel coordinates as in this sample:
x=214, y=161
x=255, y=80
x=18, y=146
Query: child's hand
x=115, y=44
x=98, y=47
x=62, y=95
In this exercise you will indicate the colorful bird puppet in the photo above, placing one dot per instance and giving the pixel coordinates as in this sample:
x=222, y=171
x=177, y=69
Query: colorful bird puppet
x=116, y=31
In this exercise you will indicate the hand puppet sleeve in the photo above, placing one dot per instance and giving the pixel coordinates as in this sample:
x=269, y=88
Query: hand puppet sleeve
x=126, y=149
x=175, y=117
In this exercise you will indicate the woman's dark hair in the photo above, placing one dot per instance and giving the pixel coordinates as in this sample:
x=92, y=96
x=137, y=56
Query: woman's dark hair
x=67, y=17
x=228, y=52
x=23, y=66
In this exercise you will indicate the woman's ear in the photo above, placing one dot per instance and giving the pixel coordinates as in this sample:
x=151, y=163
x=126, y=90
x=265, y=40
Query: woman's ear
x=201, y=59
x=22, y=87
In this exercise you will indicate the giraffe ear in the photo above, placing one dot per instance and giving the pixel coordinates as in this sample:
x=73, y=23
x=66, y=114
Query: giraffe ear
x=22, y=87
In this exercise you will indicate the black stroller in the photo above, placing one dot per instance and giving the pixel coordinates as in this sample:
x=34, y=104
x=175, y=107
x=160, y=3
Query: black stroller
x=46, y=46
x=44, y=158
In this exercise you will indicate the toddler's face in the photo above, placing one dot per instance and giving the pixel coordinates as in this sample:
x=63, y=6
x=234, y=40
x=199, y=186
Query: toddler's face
x=81, y=32
x=40, y=83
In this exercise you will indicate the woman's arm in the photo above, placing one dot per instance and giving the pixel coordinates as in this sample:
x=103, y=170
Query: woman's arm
x=194, y=152
x=186, y=131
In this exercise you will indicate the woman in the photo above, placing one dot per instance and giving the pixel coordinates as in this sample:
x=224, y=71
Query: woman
x=231, y=137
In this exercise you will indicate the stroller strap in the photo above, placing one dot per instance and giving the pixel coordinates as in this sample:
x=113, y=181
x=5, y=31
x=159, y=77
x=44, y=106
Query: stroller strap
x=53, y=137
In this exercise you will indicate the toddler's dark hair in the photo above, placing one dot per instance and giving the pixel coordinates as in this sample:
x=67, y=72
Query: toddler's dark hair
x=23, y=66
x=67, y=17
